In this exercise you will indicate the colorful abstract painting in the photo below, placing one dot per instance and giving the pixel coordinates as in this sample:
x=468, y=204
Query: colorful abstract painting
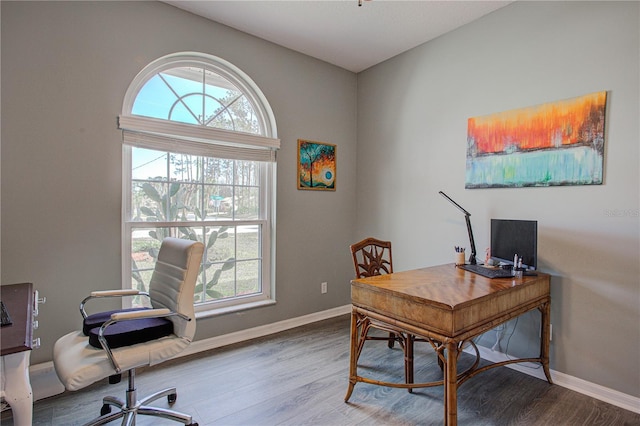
x=316, y=165
x=558, y=143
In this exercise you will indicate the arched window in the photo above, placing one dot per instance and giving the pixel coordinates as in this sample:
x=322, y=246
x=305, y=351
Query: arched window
x=199, y=151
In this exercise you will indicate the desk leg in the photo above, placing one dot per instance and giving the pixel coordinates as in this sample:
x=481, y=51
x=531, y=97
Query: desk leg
x=451, y=384
x=545, y=339
x=408, y=359
x=17, y=387
x=353, y=354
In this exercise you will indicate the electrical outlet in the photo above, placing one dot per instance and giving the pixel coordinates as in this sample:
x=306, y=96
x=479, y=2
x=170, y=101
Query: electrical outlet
x=323, y=287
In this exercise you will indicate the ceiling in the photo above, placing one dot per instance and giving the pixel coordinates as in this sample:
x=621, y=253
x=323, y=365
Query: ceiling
x=339, y=31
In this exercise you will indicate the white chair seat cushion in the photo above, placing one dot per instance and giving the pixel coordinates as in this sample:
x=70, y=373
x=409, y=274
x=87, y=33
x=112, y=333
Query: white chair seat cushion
x=78, y=364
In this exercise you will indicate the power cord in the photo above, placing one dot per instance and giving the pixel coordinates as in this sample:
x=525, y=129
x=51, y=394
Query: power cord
x=506, y=351
x=499, y=329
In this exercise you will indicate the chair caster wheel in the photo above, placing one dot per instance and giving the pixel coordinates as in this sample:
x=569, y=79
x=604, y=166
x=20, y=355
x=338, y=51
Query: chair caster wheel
x=172, y=398
x=106, y=409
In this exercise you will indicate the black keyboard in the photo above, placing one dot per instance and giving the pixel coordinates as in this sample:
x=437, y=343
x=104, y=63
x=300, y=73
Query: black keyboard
x=488, y=272
x=6, y=319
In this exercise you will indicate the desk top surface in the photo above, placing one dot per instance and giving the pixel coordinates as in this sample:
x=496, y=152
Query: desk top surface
x=18, y=299
x=445, y=286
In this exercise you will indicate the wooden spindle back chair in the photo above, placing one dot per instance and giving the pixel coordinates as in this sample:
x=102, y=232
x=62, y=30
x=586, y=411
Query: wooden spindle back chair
x=373, y=257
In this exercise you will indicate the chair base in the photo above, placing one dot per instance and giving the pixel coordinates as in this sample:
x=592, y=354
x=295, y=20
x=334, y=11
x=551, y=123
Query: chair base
x=128, y=409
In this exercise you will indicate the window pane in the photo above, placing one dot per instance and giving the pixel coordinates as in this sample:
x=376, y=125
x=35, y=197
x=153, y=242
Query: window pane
x=218, y=170
x=148, y=164
x=220, y=244
x=193, y=103
x=182, y=113
x=247, y=203
x=247, y=173
x=144, y=251
x=248, y=241
x=247, y=198
x=234, y=113
x=187, y=202
x=248, y=277
x=148, y=201
x=220, y=196
x=217, y=86
x=221, y=285
x=219, y=263
x=185, y=168
x=218, y=199
x=245, y=117
x=155, y=99
x=186, y=83
x=220, y=96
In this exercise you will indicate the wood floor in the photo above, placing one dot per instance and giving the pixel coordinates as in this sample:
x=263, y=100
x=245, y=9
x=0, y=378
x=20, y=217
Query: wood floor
x=299, y=377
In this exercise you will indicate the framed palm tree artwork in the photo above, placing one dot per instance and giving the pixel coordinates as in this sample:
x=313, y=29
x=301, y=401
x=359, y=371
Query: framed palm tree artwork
x=316, y=165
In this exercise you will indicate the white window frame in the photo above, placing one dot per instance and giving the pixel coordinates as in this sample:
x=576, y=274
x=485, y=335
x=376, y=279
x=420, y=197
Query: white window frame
x=173, y=136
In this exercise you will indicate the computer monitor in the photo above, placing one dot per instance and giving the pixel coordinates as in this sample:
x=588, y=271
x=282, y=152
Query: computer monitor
x=511, y=237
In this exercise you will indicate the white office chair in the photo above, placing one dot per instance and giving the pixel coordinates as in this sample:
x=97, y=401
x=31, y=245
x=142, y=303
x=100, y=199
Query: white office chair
x=136, y=338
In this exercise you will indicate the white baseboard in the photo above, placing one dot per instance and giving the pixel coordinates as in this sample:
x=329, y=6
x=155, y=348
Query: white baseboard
x=584, y=387
x=45, y=383
x=263, y=330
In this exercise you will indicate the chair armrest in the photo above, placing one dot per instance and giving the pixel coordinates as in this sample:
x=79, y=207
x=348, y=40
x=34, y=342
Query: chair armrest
x=109, y=293
x=147, y=313
x=120, y=292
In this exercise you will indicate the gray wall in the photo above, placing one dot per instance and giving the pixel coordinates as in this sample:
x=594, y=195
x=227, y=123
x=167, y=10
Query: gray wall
x=65, y=69
x=412, y=122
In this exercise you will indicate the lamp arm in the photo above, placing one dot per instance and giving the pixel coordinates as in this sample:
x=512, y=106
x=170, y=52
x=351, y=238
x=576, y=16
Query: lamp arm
x=454, y=203
x=472, y=256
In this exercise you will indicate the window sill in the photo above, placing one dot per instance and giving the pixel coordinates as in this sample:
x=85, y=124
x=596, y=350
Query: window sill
x=212, y=312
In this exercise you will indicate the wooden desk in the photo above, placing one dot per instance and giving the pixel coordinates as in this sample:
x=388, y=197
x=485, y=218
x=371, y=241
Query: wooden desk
x=447, y=306
x=16, y=341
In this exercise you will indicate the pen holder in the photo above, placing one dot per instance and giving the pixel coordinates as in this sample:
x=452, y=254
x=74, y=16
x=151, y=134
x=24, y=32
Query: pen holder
x=460, y=258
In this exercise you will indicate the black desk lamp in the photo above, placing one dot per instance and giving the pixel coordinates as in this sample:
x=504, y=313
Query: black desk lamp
x=472, y=257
